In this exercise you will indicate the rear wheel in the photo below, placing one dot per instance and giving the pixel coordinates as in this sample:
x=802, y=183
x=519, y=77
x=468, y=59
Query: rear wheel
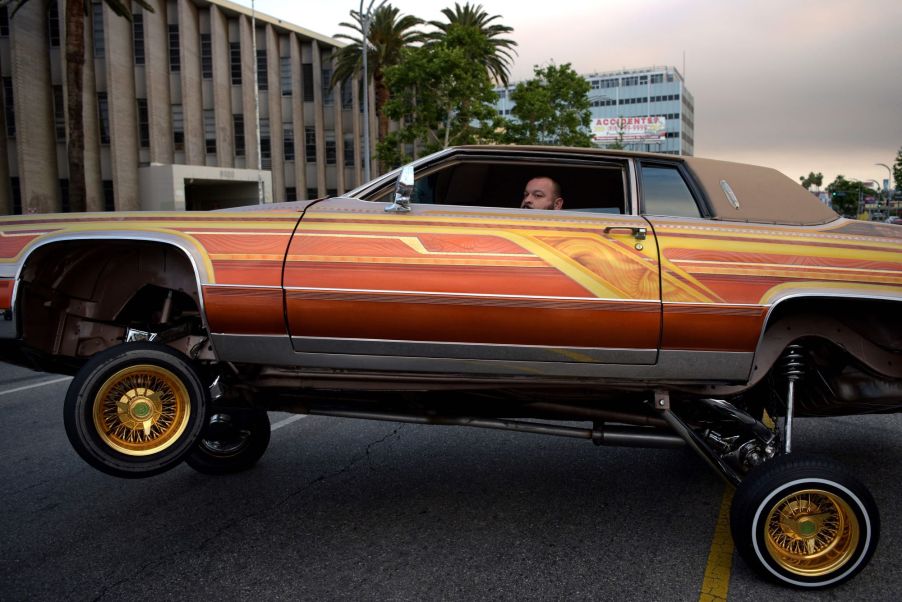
x=233, y=440
x=135, y=410
x=804, y=521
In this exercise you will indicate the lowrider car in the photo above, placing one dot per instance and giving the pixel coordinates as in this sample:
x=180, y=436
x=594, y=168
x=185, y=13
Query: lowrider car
x=674, y=301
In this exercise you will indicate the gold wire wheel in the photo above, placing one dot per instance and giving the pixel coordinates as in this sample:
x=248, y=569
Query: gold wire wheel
x=141, y=410
x=812, y=532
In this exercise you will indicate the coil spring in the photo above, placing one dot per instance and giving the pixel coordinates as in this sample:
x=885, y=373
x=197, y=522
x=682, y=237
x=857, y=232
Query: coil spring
x=793, y=362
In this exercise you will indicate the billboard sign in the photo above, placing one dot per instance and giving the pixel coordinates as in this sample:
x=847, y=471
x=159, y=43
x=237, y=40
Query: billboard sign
x=629, y=129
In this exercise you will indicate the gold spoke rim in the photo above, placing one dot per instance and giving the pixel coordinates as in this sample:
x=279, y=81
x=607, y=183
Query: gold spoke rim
x=141, y=410
x=812, y=532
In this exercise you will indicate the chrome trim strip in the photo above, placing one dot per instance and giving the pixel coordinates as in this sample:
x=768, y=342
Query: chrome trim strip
x=633, y=175
x=472, y=351
x=672, y=366
x=289, y=289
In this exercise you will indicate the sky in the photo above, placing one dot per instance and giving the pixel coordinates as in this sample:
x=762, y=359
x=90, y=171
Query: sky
x=798, y=85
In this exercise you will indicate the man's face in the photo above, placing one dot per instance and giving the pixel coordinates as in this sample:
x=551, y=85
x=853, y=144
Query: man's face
x=539, y=194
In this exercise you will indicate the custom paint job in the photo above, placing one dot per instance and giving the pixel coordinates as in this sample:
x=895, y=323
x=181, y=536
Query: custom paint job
x=494, y=276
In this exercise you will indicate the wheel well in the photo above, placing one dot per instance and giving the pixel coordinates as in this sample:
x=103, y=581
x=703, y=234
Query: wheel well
x=877, y=320
x=75, y=298
x=868, y=330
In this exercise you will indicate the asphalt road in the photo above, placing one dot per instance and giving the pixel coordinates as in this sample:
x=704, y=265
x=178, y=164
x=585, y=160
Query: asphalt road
x=348, y=509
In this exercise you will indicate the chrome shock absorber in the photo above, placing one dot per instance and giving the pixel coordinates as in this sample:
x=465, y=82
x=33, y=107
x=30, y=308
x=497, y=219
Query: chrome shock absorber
x=792, y=364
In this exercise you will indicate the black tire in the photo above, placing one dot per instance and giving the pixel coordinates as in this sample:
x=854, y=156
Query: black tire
x=233, y=441
x=804, y=521
x=135, y=410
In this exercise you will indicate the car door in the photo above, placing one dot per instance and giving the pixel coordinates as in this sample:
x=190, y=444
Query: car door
x=706, y=307
x=484, y=288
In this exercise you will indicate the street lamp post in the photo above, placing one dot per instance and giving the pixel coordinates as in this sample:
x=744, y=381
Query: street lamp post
x=889, y=180
x=256, y=104
x=365, y=18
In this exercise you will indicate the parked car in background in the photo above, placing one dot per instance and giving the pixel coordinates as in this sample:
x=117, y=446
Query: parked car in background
x=673, y=301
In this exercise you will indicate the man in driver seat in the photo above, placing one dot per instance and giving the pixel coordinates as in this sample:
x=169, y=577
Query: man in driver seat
x=542, y=193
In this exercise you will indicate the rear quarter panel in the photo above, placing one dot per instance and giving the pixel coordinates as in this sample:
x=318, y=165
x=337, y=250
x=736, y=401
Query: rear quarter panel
x=721, y=279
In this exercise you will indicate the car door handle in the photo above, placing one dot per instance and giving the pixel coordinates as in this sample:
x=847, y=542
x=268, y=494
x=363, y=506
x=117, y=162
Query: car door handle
x=638, y=233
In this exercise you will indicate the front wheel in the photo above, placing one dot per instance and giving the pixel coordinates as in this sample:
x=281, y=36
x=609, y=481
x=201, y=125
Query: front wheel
x=135, y=410
x=804, y=521
x=233, y=441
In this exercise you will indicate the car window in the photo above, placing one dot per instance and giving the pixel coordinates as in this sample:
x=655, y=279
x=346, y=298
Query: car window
x=598, y=188
x=664, y=192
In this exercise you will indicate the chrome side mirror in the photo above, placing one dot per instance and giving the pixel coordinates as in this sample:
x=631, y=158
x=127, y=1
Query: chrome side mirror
x=403, y=191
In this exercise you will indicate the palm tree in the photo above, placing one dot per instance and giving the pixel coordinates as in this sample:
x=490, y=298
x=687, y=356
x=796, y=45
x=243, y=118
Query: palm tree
x=497, y=52
x=389, y=33
x=76, y=13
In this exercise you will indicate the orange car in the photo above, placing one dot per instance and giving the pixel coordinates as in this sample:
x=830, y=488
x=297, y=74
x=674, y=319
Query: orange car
x=672, y=301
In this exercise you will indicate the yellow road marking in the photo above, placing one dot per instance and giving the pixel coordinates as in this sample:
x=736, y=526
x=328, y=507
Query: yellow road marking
x=720, y=558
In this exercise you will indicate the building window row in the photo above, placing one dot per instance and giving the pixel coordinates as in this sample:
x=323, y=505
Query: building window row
x=53, y=24
x=328, y=91
x=349, y=150
x=59, y=114
x=103, y=110
x=206, y=56
x=178, y=128
x=288, y=141
x=143, y=124
x=9, y=111
x=4, y=21
x=238, y=126
x=138, y=37
x=307, y=77
x=285, y=75
x=610, y=102
x=347, y=94
x=174, y=63
x=97, y=30
x=210, y=131
x=235, y=62
x=265, y=144
x=633, y=80
x=262, y=73
x=310, y=144
x=330, y=148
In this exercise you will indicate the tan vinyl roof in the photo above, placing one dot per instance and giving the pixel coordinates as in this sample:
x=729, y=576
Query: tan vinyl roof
x=762, y=194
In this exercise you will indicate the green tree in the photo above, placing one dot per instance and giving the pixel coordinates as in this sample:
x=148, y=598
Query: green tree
x=552, y=108
x=389, y=34
x=812, y=179
x=76, y=13
x=845, y=195
x=897, y=171
x=438, y=99
x=492, y=51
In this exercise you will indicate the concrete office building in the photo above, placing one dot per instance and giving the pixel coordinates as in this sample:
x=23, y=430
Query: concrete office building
x=169, y=109
x=650, y=109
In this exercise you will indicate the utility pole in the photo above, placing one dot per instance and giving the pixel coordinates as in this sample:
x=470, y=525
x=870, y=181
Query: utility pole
x=889, y=183
x=256, y=104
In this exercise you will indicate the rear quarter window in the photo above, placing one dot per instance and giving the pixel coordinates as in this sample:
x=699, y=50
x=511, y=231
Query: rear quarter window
x=665, y=192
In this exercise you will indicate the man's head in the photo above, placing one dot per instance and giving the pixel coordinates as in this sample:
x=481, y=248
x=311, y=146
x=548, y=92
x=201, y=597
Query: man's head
x=542, y=193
